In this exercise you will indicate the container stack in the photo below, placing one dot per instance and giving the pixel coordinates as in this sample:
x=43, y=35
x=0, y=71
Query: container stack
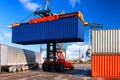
x=106, y=53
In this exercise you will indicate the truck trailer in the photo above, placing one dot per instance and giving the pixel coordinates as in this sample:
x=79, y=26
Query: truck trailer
x=14, y=59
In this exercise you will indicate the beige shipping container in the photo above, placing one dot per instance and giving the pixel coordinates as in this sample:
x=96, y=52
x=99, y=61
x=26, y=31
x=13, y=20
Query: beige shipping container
x=106, y=41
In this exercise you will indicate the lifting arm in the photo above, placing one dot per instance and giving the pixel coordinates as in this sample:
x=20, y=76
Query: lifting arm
x=46, y=12
x=93, y=25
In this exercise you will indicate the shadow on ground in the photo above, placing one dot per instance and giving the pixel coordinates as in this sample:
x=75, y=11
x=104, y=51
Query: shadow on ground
x=79, y=72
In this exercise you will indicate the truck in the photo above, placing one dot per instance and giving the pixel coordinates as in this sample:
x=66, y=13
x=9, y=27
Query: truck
x=14, y=59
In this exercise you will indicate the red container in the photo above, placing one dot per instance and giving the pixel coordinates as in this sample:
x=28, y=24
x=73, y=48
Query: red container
x=55, y=17
x=106, y=65
x=43, y=19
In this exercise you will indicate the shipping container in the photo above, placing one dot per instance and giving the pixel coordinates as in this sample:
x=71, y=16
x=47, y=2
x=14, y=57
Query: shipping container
x=68, y=29
x=106, y=65
x=106, y=53
x=106, y=41
x=15, y=57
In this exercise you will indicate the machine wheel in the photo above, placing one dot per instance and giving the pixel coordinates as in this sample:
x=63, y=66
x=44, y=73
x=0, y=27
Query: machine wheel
x=59, y=67
x=23, y=68
x=19, y=68
x=45, y=67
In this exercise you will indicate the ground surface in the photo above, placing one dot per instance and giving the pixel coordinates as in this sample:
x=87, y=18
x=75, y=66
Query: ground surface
x=81, y=72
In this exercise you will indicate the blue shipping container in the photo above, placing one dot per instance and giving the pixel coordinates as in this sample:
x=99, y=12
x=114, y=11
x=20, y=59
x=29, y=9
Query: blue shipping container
x=70, y=29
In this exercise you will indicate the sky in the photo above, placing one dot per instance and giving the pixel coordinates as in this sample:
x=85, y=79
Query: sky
x=106, y=12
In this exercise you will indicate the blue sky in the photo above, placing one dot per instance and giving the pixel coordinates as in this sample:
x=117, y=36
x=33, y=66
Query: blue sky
x=106, y=12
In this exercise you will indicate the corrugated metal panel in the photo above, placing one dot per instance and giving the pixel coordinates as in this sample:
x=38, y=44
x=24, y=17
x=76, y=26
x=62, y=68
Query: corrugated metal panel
x=106, y=41
x=105, y=65
x=118, y=41
x=69, y=29
x=4, y=55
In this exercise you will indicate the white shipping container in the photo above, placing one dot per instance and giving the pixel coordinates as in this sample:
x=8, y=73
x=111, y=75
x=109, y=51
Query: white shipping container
x=106, y=41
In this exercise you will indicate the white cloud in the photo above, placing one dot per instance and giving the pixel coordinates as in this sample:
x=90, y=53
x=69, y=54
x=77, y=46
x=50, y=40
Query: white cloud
x=73, y=50
x=74, y=2
x=28, y=4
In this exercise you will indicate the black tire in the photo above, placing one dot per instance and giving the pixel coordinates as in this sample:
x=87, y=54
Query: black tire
x=59, y=67
x=45, y=67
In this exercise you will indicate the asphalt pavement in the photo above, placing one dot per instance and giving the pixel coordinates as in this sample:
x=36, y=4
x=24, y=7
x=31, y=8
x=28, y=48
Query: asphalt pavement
x=81, y=72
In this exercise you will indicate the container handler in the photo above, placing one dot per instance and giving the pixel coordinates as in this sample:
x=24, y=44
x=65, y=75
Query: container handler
x=55, y=60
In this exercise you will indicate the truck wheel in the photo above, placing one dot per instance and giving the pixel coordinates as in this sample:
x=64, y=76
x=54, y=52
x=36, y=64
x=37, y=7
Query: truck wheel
x=18, y=68
x=45, y=67
x=14, y=69
x=23, y=68
x=35, y=66
x=10, y=69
